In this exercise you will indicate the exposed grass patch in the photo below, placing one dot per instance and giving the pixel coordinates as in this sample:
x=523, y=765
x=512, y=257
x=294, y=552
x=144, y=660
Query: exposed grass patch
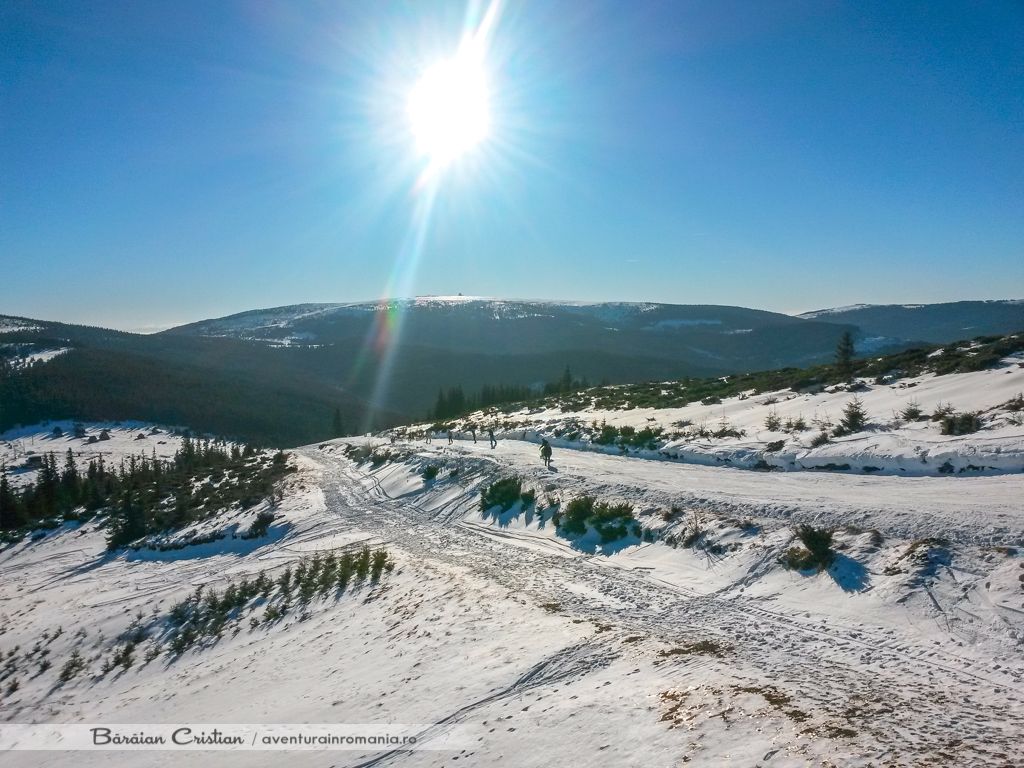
x=698, y=648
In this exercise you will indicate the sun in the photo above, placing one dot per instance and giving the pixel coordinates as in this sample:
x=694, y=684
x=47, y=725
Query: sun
x=449, y=109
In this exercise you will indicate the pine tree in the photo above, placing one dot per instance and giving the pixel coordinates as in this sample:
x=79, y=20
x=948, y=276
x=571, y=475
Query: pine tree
x=565, y=385
x=854, y=418
x=128, y=524
x=844, y=356
x=70, y=482
x=441, y=406
x=47, y=484
x=11, y=513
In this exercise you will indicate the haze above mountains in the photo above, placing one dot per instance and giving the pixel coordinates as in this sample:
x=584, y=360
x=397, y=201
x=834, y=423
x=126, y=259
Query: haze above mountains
x=277, y=375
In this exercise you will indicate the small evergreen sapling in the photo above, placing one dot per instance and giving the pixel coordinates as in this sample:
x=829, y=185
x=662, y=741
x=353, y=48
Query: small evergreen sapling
x=854, y=418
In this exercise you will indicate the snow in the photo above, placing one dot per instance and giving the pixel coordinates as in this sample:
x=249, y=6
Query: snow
x=833, y=311
x=38, y=356
x=685, y=641
x=11, y=325
x=557, y=653
x=888, y=445
x=679, y=323
x=19, y=443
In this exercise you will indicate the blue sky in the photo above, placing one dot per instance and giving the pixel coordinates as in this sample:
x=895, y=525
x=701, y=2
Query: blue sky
x=165, y=162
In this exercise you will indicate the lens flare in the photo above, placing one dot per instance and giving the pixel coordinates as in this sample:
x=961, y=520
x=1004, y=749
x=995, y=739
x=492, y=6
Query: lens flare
x=449, y=109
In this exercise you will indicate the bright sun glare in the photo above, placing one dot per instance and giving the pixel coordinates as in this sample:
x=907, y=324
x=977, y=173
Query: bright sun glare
x=449, y=109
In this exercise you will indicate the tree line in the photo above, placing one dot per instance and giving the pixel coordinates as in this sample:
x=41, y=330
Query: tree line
x=455, y=402
x=142, y=494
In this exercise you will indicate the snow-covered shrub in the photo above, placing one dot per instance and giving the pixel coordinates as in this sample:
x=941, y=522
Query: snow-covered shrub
x=816, y=552
x=960, y=423
x=260, y=525
x=820, y=439
x=501, y=493
x=912, y=411
x=772, y=421
x=72, y=667
x=610, y=521
x=608, y=435
x=378, y=564
x=362, y=564
x=430, y=472
x=725, y=429
x=577, y=512
x=794, y=425
x=1015, y=404
x=854, y=418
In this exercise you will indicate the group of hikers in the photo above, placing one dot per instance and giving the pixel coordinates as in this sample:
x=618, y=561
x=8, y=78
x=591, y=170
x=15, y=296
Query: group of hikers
x=545, y=446
x=428, y=436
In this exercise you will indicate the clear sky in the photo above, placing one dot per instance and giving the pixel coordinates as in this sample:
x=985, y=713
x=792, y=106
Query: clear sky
x=162, y=162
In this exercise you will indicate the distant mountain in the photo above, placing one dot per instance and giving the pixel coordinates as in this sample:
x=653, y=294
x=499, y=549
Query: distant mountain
x=277, y=375
x=225, y=386
x=936, y=323
x=708, y=338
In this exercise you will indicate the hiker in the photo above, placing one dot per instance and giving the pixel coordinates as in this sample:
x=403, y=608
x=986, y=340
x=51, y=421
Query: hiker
x=472, y=431
x=545, y=452
x=490, y=434
x=450, y=441
x=426, y=435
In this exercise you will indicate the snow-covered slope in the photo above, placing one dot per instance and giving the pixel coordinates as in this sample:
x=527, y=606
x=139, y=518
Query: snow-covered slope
x=756, y=431
x=120, y=440
x=555, y=650
x=937, y=323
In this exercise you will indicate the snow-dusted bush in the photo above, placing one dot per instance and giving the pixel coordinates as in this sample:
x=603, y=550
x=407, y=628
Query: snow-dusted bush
x=501, y=493
x=960, y=423
x=912, y=411
x=611, y=521
x=794, y=425
x=854, y=418
x=260, y=525
x=816, y=552
x=820, y=439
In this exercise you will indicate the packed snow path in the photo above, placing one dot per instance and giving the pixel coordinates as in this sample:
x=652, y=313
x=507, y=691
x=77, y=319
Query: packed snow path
x=982, y=509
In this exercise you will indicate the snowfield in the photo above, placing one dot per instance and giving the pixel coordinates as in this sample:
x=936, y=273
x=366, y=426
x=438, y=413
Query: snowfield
x=125, y=438
x=558, y=651
x=888, y=445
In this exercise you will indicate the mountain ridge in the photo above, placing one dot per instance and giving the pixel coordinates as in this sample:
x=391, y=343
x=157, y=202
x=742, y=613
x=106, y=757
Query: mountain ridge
x=278, y=374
